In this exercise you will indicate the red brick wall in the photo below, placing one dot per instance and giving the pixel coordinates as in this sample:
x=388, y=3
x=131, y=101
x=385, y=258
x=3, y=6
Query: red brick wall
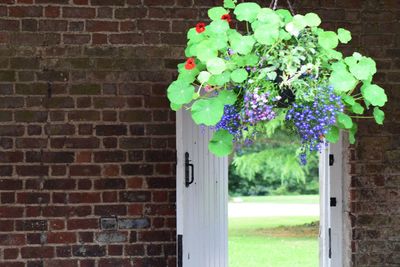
x=86, y=132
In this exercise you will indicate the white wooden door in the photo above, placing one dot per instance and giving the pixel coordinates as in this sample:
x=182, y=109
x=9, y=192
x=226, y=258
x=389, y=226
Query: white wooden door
x=202, y=211
x=331, y=205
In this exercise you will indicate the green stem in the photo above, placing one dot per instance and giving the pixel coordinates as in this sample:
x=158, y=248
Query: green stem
x=362, y=117
x=247, y=27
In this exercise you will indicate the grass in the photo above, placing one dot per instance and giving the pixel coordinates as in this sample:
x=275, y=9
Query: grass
x=274, y=241
x=296, y=199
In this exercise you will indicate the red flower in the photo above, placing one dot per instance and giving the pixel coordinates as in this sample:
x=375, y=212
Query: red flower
x=227, y=17
x=200, y=27
x=190, y=64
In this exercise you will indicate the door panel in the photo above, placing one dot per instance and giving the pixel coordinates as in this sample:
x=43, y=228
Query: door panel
x=201, y=207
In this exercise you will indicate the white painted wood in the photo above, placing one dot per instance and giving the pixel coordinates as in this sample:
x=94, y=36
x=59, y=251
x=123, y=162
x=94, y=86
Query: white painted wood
x=331, y=181
x=336, y=213
x=202, y=212
x=324, y=189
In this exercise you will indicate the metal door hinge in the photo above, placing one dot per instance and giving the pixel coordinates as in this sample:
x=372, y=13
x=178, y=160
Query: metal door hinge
x=331, y=159
x=333, y=202
x=330, y=243
x=180, y=251
x=188, y=167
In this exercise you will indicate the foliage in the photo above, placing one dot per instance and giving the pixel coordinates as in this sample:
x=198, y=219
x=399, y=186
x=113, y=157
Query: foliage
x=281, y=60
x=271, y=167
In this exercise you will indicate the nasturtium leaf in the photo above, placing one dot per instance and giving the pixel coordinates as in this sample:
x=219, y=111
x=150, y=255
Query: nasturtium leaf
x=194, y=36
x=284, y=35
x=203, y=51
x=267, y=35
x=229, y=4
x=247, y=11
x=219, y=42
x=251, y=60
x=187, y=76
x=333, y=54
x=374, y=94
x=344, y=120
x=312, y=20
x=218, y=27
x=203, y=76
x=220, y=79
x=227, y=97
x=216, y=65
x=239, y=75
x=352, y=134
x=344, y=35
x=207, y=111
x=242, y=44
x=221, y=144
x=339, y=66
x=342, y=80
x=328, y=39
x=357, y=108
x=349, y=100
x=270, y=17
x=285, y=15
x=180, y=93
x=175, y=107
x=333, y=135
x=216, y=13
x=379, y=115
x=362, y=69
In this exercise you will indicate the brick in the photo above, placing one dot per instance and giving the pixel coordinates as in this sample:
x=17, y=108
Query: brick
x=102, y=26
x=12, y=239
x=9, y=157
x=37, y=252
x=75, y=143
x=59, y=129
x=134, y=250
x=21, y=11
x=109, y=156
x=108, y=237
x=88, y=251
x=84, y=198
x=76, y=39
x=7, y=76
x=75, y=224
x=80, y=115
x=11, y=212
x=126, y=38
x=53, y=25
x=137, y=169
x=11, y=253
x=130, y=13
x=31, y=142
x=135, y=143
x=85, y=89
x=52, y=11
x=31, y=225
x=78, y=12
x=134, y=196
x=59, y=184
x=108, y=223
x=10, y=184
x=111, y=183
x=109, y=130
x=61, y=237
x=9, y=25
x=31, y=116
x=63, y=251
x=6, y=226
x=50, y=157
x=135, y=116
x=133, y=223
x=110, y=210
x=33, y=198
x=32, y=170
x=107, y=3
x=155, y=236
x=114, y=262
x=84, y=170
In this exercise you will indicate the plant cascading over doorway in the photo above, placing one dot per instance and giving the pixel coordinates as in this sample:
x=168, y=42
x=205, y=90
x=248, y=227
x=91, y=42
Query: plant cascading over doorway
x=282, y=70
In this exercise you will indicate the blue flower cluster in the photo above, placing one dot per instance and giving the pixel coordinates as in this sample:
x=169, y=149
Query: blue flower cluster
x=230, y=121
x=314, y=119
x=256, y=107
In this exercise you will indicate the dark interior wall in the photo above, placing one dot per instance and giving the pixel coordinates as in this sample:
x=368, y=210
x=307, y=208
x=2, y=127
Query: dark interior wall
x=86, y=132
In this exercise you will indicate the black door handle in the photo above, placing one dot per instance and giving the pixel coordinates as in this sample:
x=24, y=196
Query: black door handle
x=188, y=166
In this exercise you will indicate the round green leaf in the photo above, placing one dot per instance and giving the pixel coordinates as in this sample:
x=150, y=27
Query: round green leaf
x=357, y=108
x=352, y=134
x=242, y=44
x=344, y=36
x=227, y=97
x=333, y=135
x=285, y=15
x=216, y=65
x=345, y=120
x=363, y=69
x=220, y=79
x=180, y=93
x=219, y=42
x=175, y=107
x=374, y=94
x=207, y=111
x=221, y=144
x=349, y=100
x=312, y=20
x=229, y=4
x=328, y=39
x=204, y=76
x=379, y=115
x=216, y=13
x=194, y=36
x=239, y=75
x=247, y=11
x=267, y=35
x=218, y=27
x=342, y=80
x=204, y=51
x=268, y=16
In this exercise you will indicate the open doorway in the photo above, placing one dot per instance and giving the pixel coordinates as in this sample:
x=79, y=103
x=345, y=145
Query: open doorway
x=273, y=204
x=202, y=201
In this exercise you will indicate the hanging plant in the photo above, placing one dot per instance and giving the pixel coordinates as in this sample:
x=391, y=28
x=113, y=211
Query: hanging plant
x=282, y=71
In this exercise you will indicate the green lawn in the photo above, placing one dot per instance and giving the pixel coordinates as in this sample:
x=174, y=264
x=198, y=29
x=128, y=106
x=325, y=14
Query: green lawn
x=296, y=199
x=274, y=241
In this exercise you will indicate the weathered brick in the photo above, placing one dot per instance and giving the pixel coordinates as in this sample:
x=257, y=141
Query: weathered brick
x=109, y=183
x=78, y=12
x=88, y=251
x=37, y=252
x=108, y=130
x=110, y=210
x=137, y=169
x=134, y=196
x=25, y=11
x=133, y=223
x=85, y=170
x=108, y=237
x=109, y=156
x=75, y=224
x=31, y=225
x=31, y=116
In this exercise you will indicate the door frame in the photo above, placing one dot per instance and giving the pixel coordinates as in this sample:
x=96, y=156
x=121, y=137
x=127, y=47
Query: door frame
x=331, y=241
